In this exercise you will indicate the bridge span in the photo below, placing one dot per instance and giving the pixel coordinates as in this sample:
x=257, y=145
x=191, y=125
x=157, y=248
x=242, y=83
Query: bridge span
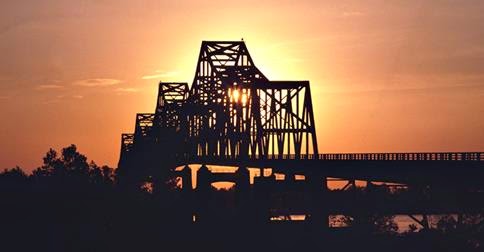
x=233, y=115
x=407, y=168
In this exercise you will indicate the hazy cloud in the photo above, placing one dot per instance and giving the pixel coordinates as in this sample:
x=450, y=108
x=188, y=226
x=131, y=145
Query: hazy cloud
x=474, y=89
x=62, y=98
x=48, y=86
x=126, y=90
x=160, y=74
x=97, y=82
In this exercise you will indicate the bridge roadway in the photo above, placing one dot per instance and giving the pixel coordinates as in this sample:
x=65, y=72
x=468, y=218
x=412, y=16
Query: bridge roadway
x=455, y=180
x=408, y=168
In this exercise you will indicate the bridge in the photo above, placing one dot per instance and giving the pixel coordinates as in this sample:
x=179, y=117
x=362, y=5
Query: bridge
x=233, y=115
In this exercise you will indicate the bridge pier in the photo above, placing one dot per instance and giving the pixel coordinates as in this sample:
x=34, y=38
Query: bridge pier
x=204, y=181
x=242, y=179
x=242, y=187
x=318, y=190
x=186, y=175
x=202, y=195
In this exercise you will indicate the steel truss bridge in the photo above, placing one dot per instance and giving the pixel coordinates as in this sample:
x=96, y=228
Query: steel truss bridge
x=233, y=115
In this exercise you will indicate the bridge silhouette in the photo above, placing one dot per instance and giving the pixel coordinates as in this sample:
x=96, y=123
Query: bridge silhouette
x=233, y=115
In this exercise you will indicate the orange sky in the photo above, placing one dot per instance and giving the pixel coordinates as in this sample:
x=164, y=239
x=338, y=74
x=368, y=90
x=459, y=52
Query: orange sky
x=385, y=75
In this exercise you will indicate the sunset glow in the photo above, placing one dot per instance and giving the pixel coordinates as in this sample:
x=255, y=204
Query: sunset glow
x=223, y=125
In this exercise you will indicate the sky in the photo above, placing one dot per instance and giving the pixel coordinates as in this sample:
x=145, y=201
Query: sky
x=386, y=76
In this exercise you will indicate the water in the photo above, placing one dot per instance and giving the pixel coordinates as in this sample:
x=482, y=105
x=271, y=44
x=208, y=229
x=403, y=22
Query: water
x=403, y=221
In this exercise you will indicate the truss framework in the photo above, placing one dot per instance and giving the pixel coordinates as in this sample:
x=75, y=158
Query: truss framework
x=231, y=110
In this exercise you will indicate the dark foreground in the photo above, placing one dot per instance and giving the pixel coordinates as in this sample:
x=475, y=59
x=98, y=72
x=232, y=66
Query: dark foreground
x=115, y=222
x=69, y=204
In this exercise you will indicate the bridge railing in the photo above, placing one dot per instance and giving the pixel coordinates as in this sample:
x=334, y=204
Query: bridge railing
x=430, y=156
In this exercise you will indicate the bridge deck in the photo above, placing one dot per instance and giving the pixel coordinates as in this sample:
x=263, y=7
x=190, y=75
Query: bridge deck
x=442, y=168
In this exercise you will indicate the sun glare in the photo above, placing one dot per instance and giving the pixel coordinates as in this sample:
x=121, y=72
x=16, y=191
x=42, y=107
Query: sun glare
x=244, y=99
x=239, y=96
x=235, y=95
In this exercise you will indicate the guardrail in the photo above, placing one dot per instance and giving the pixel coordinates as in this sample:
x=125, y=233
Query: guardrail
x=435, y=156
x=430, y=156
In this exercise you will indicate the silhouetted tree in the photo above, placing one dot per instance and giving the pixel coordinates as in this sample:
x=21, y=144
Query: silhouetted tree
x=70, y=170
x=13, y=179
x=13, y=174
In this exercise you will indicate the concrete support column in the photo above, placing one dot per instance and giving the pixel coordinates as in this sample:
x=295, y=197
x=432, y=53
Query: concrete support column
x=204, y=179
x=242, y=196
x=243, y=179
x=263, y=186
x=202, y=208
x=319, y=211
x=186, y=174
x=289, y=181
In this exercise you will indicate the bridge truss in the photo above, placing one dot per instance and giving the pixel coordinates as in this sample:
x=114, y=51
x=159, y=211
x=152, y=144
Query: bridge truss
x=232, y=110
x=234, y=115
